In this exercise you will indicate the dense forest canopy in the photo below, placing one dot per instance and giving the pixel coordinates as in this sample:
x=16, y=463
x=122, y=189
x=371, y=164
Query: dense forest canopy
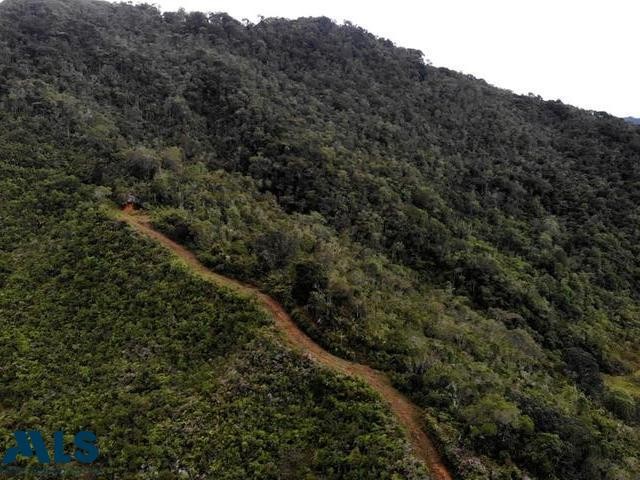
x=481, y=247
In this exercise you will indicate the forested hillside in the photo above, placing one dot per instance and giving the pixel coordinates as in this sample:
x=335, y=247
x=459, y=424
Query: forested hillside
x=481, y=247
x=101, y=331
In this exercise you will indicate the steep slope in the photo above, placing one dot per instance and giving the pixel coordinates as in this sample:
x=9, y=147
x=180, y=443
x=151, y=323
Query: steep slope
x=99, y=330
x=480, y=247
x=407, y=413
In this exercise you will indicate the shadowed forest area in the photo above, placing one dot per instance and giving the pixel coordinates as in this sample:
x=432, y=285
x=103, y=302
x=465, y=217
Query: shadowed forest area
x=480, y=247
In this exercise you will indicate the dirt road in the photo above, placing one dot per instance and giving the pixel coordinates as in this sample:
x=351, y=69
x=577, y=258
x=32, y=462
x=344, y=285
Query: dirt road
x=408, y=414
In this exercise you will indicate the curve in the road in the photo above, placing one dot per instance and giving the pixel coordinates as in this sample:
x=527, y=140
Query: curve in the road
x=408, y=414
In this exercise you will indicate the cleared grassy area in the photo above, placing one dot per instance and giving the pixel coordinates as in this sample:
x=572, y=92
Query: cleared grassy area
x=629, y=384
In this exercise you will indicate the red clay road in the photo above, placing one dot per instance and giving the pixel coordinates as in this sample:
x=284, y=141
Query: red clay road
x=407, y=413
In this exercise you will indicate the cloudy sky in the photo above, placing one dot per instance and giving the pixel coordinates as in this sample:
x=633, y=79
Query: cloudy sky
x=584, y=52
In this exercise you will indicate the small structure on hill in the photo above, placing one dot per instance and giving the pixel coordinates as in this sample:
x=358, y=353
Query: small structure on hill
x=131, y=203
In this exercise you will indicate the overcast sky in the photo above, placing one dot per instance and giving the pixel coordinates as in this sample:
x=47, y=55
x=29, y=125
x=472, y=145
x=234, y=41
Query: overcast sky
x=584, y=52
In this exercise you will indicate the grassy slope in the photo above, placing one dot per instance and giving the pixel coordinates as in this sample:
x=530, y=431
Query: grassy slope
x=407, y=413
x=99, y=330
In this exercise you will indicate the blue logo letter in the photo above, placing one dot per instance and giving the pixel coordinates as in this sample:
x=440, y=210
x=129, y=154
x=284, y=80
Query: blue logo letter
x=24, y=448
x=58, y=449
x=86, y=451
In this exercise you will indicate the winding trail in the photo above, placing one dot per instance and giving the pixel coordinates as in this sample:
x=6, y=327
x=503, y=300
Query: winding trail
x=407, y=413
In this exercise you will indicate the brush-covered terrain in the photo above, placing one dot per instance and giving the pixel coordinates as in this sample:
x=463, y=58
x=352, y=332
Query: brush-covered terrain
x=481, y=247
x=101, y=331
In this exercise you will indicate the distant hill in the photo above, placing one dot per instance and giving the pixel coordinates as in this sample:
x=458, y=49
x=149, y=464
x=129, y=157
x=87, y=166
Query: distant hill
x=480, y=247
x=633, y=120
